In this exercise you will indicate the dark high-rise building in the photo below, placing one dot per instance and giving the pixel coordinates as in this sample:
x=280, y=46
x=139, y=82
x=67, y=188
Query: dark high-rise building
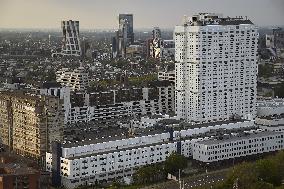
x=156, y=33
x=278, y=34
x=70, y=41
x=126, y=22
x=124, y=36
x=114, y=46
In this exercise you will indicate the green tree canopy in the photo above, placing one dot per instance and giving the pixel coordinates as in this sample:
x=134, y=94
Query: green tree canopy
x=175, y=162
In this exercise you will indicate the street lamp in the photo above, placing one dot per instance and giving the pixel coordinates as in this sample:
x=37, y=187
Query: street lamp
x=207, y=164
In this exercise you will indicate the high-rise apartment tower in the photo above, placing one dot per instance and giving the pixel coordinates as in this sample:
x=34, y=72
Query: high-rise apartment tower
x=216, y=69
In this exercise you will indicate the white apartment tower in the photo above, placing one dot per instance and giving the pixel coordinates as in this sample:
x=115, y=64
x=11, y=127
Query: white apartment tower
x=216, y=68
x=70, y=41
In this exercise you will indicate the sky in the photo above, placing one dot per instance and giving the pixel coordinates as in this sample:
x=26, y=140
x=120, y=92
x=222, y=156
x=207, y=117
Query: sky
x=103, y=14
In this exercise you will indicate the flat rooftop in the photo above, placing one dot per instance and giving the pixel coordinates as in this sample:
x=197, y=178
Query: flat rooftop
x=276, y=102
x=96, y=135
x=82, y=134
x=118, y=150
x=232, y=138
x=16, y=169
x=185, y=125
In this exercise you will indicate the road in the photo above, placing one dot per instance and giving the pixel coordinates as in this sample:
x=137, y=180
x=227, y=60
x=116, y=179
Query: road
x=204, y=180
x=207, y=179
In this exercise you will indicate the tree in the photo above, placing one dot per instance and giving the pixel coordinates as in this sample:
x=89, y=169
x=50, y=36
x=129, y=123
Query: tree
x=149, y=173
x=268, y=171
x=175, y=162
x=279, y=90
x=242, y=174
x=265, y=70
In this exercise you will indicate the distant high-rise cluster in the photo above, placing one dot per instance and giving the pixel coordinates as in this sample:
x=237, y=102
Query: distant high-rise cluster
x=70, y=41
x=124, y=36
x=216, y=69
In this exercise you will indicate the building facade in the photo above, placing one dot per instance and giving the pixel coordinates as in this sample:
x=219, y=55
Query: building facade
x=167, y=76
x=126, y=23
x=116, y=157
x=16, y=176
x=71, y=40
x=216, y=69
x=270, y=114
x=30, y=123
x=168, y=50
x=237, y=146
x=77, y=80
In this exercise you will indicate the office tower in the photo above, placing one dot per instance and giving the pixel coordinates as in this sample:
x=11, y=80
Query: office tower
x=216, y=69
x=85, y=46
x=70, y=41
x=124, y=36
x=126, y=23
x=123, y=41
x=278, y=34
x=156, y=33
x=49, y=37
x=114, y=47
x=29, y=123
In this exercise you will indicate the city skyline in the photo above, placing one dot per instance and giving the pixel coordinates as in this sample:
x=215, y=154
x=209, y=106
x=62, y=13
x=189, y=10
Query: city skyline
x=147, y=14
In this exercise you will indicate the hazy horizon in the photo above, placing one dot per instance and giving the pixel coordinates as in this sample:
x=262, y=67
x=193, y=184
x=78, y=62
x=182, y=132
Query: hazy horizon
x=102, y=15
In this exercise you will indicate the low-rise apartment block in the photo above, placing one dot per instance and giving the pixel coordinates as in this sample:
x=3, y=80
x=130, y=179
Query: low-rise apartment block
x=77, y=80
x=237, y=145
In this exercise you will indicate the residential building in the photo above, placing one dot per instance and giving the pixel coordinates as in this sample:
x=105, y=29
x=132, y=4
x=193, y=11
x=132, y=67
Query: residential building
x=117, y=103
x=71, y=40
x=167, y=76
x=166, y=98
x=216, y=69
x=168, y=50
x=113, y=154
x=77, y=80
x=29, y=123
x=18, y=176
x=228, y=147
x=270, y=114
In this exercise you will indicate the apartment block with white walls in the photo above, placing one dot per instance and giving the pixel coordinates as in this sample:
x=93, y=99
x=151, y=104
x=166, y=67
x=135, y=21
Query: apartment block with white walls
x=237, y=145
x=216, y=69
x=270, y=114
x=109, y=157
